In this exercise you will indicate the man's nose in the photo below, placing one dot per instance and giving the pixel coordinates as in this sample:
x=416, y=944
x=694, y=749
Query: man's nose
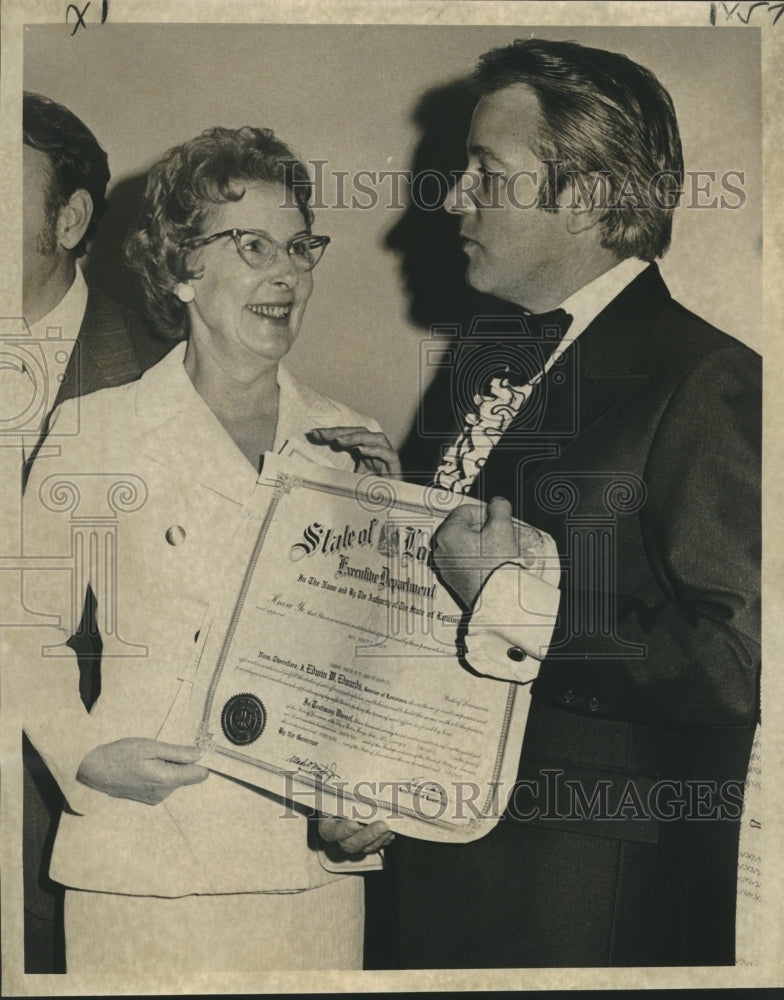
x=461, y=200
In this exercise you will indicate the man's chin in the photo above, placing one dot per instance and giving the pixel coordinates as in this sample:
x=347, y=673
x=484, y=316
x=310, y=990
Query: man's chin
x=476, y=278
x=480, y=283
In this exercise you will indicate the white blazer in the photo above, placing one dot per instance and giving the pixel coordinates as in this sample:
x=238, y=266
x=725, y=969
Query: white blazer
x=155, y=551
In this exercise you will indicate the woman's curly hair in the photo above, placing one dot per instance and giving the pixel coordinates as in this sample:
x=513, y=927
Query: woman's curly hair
x=184, y=188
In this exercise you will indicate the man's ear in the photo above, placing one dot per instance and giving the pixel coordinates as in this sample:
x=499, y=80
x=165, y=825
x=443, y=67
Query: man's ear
x=584, y=201
x=74, y=218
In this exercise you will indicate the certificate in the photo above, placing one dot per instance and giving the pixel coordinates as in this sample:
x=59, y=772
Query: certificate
x=333, y=678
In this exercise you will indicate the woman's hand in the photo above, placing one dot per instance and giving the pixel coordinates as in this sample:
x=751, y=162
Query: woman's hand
x=371, y=450
x=141, y=769
x=356, y=838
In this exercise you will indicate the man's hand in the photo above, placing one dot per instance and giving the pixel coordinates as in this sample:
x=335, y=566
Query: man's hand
x=141, y=769
x=371, y=450
x=467, y=547
x=356, y=838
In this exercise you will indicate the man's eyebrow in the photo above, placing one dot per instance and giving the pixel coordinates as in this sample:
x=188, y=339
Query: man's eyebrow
x=486, y=153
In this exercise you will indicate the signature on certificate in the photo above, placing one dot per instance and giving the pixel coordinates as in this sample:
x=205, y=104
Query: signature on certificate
x=324, y=772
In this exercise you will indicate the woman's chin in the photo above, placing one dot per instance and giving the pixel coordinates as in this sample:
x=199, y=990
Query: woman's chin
x=270, y=337
x=273, y=347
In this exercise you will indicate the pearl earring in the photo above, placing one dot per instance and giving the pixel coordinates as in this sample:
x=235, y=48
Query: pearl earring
x=185, y=293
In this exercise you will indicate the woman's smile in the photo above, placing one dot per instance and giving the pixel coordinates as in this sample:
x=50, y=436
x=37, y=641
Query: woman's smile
x=279, y=312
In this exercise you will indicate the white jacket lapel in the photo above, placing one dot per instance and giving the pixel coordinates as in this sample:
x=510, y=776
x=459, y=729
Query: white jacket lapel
x=180, y=432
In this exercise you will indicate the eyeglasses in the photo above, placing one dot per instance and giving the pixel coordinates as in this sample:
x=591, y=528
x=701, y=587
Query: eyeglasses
x=259, y=250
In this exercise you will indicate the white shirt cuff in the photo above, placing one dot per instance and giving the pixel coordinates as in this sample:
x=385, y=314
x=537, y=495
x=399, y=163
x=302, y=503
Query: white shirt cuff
x=512, y=624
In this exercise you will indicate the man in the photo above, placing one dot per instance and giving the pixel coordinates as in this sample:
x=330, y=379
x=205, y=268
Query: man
x=87, y=337
x=87, y=342
x=629, y=430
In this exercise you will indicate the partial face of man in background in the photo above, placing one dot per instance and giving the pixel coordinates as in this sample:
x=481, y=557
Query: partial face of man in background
x=41, y=254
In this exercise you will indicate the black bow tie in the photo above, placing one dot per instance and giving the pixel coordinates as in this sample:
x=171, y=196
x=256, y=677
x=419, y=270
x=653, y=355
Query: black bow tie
x=549, y=325
x=516, y=348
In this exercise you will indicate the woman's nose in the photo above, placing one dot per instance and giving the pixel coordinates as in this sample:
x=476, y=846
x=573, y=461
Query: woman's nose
x=282, y=270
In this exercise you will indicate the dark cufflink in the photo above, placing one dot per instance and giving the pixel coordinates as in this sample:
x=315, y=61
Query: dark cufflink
x=516, y=654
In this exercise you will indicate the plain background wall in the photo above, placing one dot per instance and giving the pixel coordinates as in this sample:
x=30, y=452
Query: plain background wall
x=346, y=94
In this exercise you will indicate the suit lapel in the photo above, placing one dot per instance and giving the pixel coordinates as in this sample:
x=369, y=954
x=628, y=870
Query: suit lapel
x=180, y=432
x=103, y=355
x=616, y=354
x=608, y=362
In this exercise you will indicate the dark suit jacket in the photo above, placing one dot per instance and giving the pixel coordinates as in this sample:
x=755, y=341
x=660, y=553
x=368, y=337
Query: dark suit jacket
x=643, y=464
x=114, y=346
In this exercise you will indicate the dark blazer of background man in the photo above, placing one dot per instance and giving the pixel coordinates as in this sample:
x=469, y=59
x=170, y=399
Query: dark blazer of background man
x=89, y=342
x=641, y=459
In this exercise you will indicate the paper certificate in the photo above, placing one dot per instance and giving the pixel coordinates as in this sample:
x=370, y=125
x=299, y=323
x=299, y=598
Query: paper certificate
x=333, y=678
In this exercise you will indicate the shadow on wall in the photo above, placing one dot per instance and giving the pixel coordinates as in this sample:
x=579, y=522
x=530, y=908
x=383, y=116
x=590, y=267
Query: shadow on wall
x=105, y=264
x=433, y=268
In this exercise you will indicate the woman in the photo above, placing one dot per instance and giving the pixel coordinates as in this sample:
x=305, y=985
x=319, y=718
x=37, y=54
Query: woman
x=169, y=866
